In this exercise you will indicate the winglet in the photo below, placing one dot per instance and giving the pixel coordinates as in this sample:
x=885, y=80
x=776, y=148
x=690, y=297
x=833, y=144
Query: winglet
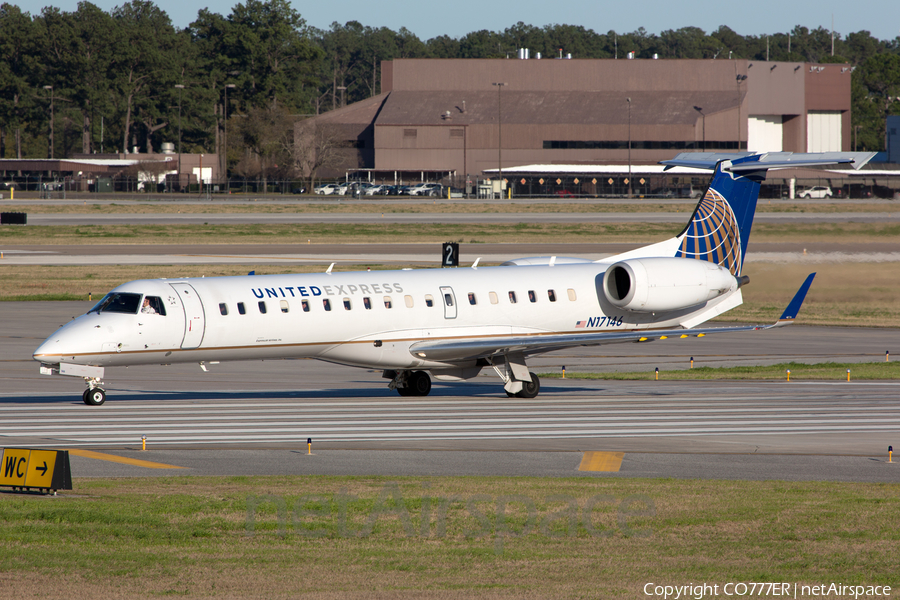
x=790, y=313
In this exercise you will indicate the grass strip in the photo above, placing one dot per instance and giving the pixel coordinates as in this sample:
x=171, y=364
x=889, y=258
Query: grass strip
x=321, y=233
x=829, y=371
x=441, y=537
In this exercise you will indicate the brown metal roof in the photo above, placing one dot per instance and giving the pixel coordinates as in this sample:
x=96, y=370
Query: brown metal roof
x=363, y=112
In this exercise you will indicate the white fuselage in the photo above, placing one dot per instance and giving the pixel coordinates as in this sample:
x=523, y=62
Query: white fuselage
x=367, y=319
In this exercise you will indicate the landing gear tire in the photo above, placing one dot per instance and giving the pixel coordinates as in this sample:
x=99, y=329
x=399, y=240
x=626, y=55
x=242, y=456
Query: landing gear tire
x=94, y=397
x=531, y=388
x=417, y=384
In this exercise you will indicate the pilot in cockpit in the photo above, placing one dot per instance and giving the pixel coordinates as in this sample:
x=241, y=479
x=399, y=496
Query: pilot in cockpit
x=147, y=309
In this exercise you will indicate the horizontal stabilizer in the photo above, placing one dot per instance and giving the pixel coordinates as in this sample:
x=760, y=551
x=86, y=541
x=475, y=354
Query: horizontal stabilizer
x=768, y=160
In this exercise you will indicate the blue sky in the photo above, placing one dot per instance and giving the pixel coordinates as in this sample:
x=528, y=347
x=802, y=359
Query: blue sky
x=456, y=18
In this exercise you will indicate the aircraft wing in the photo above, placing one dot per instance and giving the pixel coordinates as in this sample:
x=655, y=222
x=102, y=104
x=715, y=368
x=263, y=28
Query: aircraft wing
x=472, y=348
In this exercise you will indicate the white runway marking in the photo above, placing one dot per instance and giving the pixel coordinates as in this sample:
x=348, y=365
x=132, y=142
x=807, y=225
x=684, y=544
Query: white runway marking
x=122, y=423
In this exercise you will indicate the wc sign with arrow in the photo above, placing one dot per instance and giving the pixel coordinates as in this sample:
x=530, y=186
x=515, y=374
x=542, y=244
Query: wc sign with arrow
x=27, y=469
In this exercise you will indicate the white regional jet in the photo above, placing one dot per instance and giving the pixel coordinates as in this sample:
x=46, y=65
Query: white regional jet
x=450, y=323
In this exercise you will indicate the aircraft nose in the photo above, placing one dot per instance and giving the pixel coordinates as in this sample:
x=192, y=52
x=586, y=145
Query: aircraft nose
x=68, y=340
x=49, y=350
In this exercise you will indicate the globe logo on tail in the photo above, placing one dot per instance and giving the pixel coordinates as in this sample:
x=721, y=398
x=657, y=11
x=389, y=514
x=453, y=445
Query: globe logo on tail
x=713, y=234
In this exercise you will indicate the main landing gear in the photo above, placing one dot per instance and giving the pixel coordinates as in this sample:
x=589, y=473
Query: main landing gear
x=529, y=389
x=409, y=383
x=518, y=381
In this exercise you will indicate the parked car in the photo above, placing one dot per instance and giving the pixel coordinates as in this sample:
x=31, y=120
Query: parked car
x=374, y=190
x=819, y=191
x=391, y=190
x=426, y=189
x=689, y=192
x=328, y=189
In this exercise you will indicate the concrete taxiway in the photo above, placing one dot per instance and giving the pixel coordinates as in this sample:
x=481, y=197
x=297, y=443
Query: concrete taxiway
x=255, y=417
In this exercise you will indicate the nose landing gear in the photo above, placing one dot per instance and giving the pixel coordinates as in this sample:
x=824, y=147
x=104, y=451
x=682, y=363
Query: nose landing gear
x=94, y=395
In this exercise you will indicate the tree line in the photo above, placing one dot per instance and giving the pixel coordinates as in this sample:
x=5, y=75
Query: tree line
x=128, y=78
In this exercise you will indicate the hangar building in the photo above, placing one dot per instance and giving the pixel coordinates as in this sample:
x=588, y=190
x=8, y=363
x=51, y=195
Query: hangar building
x=444, y=118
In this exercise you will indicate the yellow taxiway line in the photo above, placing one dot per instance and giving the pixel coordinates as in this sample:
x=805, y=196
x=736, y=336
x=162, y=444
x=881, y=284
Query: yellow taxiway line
x=121, y=459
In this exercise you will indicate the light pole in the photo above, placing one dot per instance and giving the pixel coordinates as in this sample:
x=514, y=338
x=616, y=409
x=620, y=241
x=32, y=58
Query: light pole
x=700, y=110
x=223, y=157
x=50, y=89
x=500, y=86
x=740, y=79
x=628, y=100
x=180, y=88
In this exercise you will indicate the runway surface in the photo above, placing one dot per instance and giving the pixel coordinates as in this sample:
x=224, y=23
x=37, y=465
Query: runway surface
x=255, y=417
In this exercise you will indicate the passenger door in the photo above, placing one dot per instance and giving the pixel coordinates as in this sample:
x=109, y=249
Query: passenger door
x=194, y=317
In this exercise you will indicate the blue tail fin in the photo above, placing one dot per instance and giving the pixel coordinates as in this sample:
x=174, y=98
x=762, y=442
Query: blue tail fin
x=720, y=226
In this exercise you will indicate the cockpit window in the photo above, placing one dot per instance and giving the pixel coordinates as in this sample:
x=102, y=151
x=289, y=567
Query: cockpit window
x=119, y=302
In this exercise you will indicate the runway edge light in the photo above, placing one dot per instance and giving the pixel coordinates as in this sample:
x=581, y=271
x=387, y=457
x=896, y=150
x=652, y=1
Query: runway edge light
x=890, y=452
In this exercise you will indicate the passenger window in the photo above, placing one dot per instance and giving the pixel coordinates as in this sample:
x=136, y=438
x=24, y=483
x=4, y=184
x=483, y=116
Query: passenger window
x=493, y=297
x=409, y=301
x=387, y=302
x=448, y=299
x=571, y=294
x=326, y=303
x=429, y=300
x=552, y=295
x=153, y=305
x=305, y=305
x=284, y=306
x=367, y=303
x=262, y=307
x=531, y=296
x=223, y=308
x=241, y=309
x=512, y=297
x=346, y=303
x=472, y=299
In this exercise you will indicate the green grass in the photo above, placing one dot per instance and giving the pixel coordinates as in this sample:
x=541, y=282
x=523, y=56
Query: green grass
x=192, y=536
x=799, y=372
x=536, y=232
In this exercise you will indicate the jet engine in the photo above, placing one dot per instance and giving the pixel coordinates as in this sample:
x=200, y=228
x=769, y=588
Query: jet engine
x=661, y=284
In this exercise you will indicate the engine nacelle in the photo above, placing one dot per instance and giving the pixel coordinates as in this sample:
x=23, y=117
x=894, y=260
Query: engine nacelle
x=661, y=284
